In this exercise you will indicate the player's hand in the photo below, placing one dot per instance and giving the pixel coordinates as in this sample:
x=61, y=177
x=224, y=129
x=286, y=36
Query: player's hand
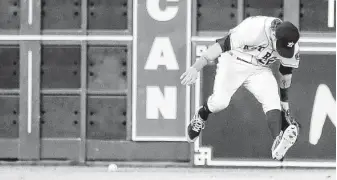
x=285, y=106
x=189, y=77
x=287, y=115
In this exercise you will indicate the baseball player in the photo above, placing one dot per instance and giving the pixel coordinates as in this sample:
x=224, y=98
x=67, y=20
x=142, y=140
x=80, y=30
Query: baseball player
x=244, y=56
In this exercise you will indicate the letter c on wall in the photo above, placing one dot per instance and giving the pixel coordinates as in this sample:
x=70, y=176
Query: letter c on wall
x=156, y=13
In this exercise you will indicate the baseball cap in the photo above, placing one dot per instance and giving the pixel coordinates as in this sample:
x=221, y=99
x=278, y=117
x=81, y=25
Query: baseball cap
x=287, y=36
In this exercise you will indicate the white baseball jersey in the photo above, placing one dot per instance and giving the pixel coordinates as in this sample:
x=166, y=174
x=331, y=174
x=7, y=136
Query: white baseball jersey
x=254, y=41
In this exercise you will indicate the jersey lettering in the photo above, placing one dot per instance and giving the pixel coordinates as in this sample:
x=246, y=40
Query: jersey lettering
x=267, y=62
x=251, y=48
x=265, y=57
x=260, y=48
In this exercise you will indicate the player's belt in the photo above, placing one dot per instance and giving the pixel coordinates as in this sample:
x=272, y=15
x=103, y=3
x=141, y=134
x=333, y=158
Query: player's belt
x=247, y=58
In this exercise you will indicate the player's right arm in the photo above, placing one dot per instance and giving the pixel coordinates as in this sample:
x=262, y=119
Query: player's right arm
x=208, y=57
x=237, y=38
x=211, y=54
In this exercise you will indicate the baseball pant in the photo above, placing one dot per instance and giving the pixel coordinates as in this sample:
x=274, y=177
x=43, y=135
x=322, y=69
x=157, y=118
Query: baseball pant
x=232, y=72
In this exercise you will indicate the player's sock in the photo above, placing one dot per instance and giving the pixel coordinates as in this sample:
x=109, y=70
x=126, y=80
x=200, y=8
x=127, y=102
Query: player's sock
x=274, y=122
x=204, y=112
x=284, y=121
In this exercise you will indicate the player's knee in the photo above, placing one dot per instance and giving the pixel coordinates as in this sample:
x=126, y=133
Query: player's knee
x=217, y=104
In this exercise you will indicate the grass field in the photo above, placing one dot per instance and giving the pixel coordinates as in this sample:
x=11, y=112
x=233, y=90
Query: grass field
x=101, y=173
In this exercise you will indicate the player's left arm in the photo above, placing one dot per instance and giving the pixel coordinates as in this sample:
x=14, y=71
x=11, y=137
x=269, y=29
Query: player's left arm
x=285, y=74
x=286, y=68
x=285, y=84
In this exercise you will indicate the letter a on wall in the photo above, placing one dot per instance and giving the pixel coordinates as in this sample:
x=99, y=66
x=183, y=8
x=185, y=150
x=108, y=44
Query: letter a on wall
x=161, y=51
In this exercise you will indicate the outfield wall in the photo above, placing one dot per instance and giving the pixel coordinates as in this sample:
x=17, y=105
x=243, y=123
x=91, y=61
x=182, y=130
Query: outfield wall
x=99, y=80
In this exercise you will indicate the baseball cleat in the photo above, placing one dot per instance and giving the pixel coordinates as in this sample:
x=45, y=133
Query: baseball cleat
x=194, y=128
x=284, y=141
